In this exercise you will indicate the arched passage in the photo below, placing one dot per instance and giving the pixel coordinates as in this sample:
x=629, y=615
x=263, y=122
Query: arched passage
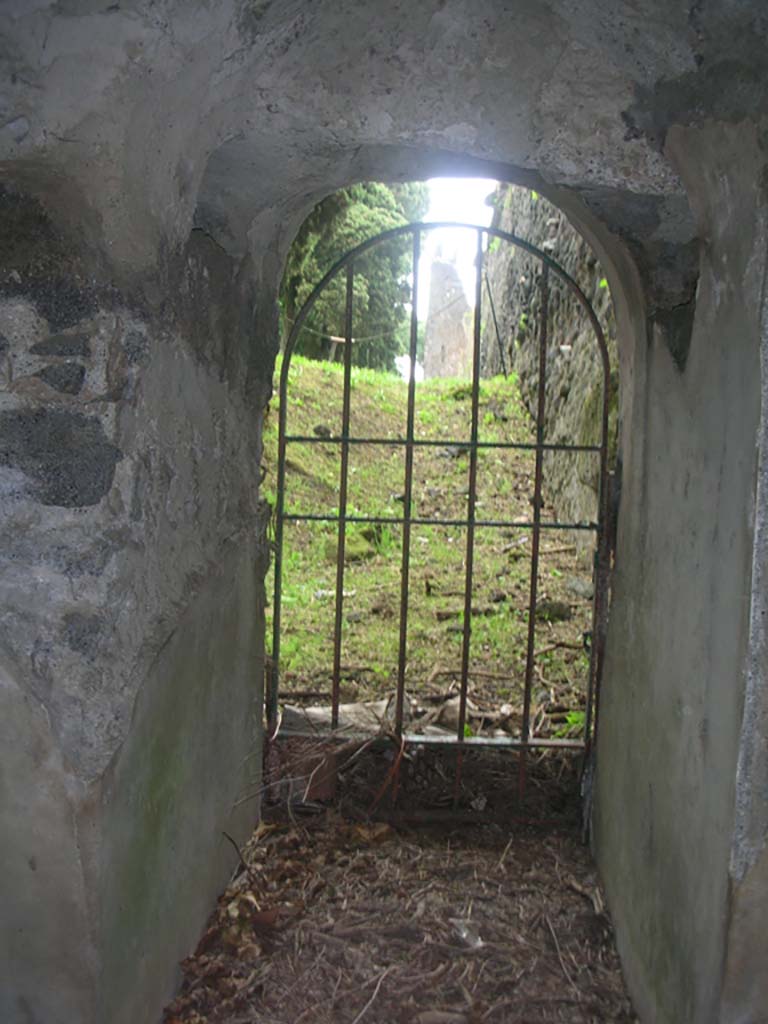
x=174, y=157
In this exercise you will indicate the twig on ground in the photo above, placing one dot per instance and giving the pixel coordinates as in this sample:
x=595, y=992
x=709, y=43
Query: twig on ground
x=568, y=977
x=243, y=864
x=371, y=1001
x=472, y=673
x=558, y=644
x=503, y=857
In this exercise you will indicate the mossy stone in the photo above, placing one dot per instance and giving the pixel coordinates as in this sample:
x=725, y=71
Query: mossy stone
x=356, y=548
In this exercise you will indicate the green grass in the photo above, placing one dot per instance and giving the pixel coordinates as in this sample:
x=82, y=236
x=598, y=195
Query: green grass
x=371, y=612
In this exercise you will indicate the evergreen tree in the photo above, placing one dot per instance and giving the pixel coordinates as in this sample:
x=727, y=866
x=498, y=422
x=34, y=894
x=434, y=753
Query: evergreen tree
x=336, y=225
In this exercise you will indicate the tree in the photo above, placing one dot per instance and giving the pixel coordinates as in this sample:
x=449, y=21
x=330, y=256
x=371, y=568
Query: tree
x=382, y=290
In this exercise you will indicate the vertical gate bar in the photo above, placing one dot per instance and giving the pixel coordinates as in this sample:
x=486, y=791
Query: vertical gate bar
x=536, y=532
x=344, y=473
x=274, y=672
x=602, y=570
x=408, y=491
x=472, y=496
x=499, y=343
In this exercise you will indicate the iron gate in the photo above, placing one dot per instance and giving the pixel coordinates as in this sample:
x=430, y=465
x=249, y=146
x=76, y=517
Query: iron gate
x=527, y=740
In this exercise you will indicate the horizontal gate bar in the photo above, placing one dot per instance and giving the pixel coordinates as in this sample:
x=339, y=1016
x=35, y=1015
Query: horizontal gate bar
x=420, y=443
x=311, y=517
x=415, y=739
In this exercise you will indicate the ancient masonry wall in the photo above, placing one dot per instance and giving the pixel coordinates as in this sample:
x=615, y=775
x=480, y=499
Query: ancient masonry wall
x=574, y=374
x=132, y=553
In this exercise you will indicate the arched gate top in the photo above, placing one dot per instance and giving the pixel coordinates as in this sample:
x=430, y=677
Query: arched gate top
x=417, y=229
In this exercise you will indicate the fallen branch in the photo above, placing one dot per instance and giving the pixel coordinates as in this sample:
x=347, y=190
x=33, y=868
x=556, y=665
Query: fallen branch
x=559, y=644
x=475, y=673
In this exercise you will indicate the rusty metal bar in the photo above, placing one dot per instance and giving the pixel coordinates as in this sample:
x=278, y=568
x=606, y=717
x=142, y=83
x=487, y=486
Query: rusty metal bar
x=415, y=739
x=535, y=540
x=273, y=676
x=408, y=492
x=545, y=524
x=344, y=474
x=602, y=574
x=496, y=327
x=423, y=226
x=424, y=443
x=466, y=638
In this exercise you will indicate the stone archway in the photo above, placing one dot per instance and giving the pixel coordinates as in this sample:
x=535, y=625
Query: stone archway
x=155, y=167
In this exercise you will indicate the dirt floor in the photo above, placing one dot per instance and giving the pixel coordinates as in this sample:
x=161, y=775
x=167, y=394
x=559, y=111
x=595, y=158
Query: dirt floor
x=450, y=905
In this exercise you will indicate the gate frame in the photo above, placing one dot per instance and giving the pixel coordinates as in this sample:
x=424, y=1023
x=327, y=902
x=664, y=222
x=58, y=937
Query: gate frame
x=602, y=553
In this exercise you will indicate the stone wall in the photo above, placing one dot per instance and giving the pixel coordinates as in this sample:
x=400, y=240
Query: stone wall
x=574, y=369
x=130, y=529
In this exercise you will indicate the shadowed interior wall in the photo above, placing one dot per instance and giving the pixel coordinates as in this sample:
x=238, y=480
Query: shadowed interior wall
x=673, y=696
x=181, y=780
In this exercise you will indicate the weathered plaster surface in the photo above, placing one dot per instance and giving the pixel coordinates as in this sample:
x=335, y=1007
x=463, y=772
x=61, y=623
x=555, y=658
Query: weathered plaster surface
x=229, y=84
x=42, y=884
x=179, y=787
x=175, y=146
x=680, y=618
x=119, y=496
x=746, y=977
x=130, y=600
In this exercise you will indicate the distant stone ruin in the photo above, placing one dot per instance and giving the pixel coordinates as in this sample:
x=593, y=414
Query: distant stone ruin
x=447, y=340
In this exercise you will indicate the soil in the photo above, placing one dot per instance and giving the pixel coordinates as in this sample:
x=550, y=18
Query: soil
x=419, y=912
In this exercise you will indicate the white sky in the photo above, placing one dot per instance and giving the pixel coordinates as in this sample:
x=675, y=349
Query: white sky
x=460, y=199
x=453, y=199
x=456, y=199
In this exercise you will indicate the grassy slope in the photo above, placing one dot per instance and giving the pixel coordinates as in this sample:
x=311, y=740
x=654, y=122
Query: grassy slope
x=501, y=575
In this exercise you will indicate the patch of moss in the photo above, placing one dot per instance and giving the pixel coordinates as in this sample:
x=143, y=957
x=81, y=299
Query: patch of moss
x=356, y=548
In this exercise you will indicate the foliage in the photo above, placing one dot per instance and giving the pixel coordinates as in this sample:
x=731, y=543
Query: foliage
x=382, y=292
x=574, y=724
